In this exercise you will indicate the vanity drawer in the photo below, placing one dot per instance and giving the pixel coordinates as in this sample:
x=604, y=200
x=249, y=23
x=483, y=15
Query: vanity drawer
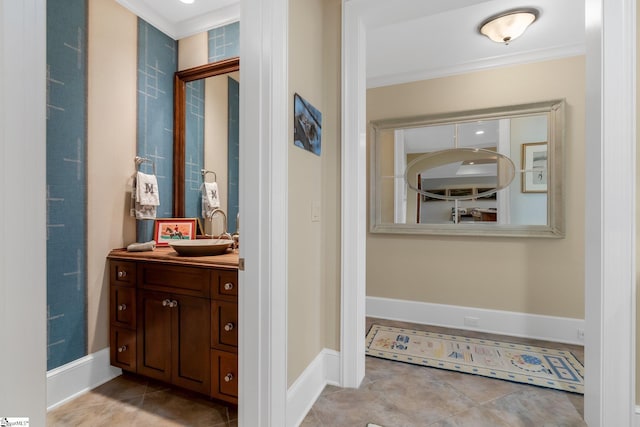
x=224, y=325
x=224, y=284
x=224, y=376
x=123, y=306
x=181, y=280
x=123, y=348
x=122, y=273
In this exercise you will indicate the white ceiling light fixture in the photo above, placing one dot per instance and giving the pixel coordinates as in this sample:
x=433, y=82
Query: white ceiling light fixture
x=187, y=1
x=508, y=26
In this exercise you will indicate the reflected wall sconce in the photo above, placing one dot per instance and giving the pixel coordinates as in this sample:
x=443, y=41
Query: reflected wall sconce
x=508, y=26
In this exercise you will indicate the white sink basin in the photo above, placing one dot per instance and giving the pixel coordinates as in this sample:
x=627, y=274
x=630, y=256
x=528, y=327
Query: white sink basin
x=201, y=247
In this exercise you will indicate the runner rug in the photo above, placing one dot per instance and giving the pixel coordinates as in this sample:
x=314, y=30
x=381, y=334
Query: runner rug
x=525, y=364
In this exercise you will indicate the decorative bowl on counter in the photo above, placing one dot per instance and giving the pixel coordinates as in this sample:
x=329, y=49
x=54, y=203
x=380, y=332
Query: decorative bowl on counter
x=201, y=247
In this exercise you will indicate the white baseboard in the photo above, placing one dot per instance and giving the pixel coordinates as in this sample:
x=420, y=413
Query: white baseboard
x=549, y=328
x=323, y=370
x=77, y=377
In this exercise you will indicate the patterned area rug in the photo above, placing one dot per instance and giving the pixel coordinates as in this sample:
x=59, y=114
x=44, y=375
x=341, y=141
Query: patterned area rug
x=526, y=364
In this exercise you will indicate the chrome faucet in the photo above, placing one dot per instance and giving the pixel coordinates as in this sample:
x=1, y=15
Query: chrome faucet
x=225, y=234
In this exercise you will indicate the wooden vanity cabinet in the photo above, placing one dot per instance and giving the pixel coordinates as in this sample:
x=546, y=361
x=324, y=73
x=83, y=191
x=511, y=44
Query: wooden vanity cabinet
x=176, y=320
x=122, y=314
x=172, y=339
x=224, y=336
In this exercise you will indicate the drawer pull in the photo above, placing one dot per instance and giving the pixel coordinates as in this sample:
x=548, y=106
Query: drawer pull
x=228, y=286
x=228, y=377
x=228, y=327
x=121, y=349
x=122, y=307
x=122, y=274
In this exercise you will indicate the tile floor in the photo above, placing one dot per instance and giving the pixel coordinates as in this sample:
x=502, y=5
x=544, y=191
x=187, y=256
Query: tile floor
x=133, y=401
x=392, y=394
x=395, y=394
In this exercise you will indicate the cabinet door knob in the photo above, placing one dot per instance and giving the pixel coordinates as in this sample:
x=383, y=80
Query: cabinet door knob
x=173, y=303
x=228, y=286
x=228, y=327
x=166, y=302
x=122, y=274
x=122, y=307
x=228, y=377
x=121, y=349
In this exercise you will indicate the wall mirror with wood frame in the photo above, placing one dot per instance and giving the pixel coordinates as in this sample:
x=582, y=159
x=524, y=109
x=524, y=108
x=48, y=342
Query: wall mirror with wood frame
x=206, y=135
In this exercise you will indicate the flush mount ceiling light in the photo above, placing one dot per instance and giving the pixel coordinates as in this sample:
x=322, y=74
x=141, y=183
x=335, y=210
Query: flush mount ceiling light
x=508, y=26
x=187, y=1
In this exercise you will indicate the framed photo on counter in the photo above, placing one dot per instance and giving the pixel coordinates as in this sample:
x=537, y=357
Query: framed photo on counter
x=168, y=229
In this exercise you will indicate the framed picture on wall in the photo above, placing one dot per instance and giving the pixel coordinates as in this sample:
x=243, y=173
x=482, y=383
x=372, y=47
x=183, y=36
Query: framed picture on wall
x=169, y=229
x=307, y=125
x=534, y=167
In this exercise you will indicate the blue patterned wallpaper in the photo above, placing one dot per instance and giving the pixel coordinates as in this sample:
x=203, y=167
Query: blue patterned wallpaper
x=233, y=161
x=224, y=42
x=194, y=148
x=66, y=181
x=157, y=63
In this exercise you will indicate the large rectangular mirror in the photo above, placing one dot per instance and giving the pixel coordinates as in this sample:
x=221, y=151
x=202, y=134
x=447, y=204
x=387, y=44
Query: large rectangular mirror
x=206, y=136
x=461, y=198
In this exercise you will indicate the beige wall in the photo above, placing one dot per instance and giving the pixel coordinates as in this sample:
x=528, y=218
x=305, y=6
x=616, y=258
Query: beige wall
x=331, y=170
x=312, y=262
x=533, y=275
x=111, y=149
x=193, y=51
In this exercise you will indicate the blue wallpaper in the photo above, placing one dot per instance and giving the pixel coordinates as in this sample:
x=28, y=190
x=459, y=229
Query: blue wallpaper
x=224, y=42
x=66, y=181
x=157, y=63
x=233, y=152
x=194, y=148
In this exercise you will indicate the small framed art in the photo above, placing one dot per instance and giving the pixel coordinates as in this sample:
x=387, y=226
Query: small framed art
x=168, y=229
x=534, y=167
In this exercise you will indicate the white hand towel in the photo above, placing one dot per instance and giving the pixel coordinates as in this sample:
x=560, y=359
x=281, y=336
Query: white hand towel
x=147, y=190
x=145, y=196
x=210, y=198
x=213, y=197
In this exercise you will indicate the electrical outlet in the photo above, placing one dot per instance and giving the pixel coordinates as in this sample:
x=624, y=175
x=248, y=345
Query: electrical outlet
x=315, y=211
x=471, y=321
x=581, y=334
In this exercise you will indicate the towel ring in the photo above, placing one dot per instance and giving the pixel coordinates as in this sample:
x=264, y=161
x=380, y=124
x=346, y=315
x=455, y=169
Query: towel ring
x=140, y=160
x=204, y=175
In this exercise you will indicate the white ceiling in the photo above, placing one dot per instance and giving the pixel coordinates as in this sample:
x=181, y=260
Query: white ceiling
x=179, y=20
x=441, y=38
x=410, y=40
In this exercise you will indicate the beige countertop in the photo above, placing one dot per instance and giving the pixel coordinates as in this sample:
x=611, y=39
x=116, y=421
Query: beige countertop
x=169, y=256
